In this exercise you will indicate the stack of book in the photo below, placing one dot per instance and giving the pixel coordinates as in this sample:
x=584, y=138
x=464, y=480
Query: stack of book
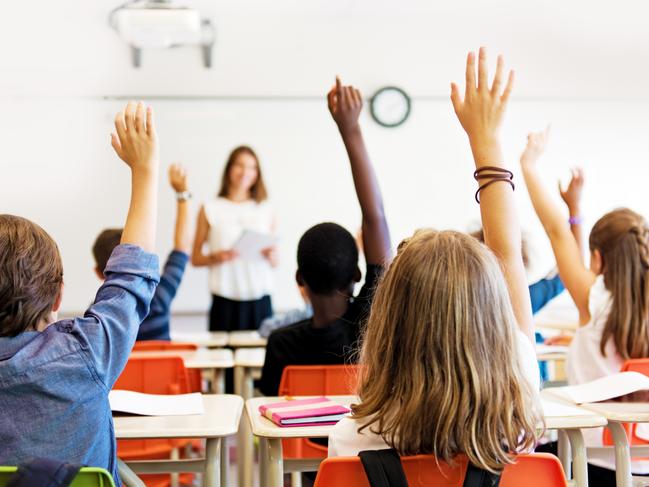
x=304, y=412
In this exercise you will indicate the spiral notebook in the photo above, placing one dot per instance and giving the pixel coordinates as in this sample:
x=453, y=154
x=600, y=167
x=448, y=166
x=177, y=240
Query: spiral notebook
x=304, y=412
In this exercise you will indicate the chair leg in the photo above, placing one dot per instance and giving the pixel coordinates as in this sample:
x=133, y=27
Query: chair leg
x=296, y=479
x=128, y=476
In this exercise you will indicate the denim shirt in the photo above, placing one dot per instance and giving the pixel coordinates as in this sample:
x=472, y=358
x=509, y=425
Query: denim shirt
x=54, y=384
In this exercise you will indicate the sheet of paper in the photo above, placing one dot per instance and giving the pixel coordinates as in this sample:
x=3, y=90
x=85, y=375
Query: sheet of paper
x=251, y=243
x=156, y=405
x=602, y=389
x=552, y=409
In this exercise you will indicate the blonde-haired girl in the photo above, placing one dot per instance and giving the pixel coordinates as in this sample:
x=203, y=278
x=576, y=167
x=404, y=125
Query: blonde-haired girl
x=448, y=362
x=612, y=296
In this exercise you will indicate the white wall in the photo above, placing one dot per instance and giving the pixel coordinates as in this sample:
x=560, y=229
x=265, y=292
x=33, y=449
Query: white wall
x=578, y=66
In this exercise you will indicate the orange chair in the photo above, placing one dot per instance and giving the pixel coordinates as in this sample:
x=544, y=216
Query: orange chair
x=153, y=345
x=153, y=375
x=533, y=470
x=313, y=380
x=640, y=365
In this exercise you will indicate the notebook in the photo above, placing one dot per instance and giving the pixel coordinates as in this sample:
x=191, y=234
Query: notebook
x=603, y=389
x=304, y=412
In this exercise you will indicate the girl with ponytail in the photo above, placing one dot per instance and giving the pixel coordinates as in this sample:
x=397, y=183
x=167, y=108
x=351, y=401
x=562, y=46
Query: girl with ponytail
x=612, y=296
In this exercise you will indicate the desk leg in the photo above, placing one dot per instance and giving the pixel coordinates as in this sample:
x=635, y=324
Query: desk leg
x=579, y=458
x=218, y=381
x=622, y=455
x=244, y=436
x=564, y=453
x=225, y=462
x=212, y=475
x=271, y=462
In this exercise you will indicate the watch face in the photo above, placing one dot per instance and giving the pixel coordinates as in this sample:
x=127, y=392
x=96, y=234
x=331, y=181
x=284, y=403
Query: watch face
x=390, y=106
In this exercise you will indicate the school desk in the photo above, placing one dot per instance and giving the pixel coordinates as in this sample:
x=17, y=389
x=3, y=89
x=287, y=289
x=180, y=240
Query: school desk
x=616, y=414
x=210, y=339
x=212, y=361
x=220, y=420
x=246, y=338
x=272, y=466
x=246, y=362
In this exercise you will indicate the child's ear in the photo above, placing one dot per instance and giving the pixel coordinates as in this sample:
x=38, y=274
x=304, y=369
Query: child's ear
x=99, y=274
x=596, y=262
x=357, y=275
x=59, y=299
x=298, y=278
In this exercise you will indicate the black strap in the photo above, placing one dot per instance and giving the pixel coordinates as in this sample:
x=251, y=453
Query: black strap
x=478, y=477
x=44, y=473
x=383, y=469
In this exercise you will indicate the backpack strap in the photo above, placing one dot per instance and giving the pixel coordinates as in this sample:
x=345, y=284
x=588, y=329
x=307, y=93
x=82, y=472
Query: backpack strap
x=383, y=468
x=44, y=473
x=478, y=477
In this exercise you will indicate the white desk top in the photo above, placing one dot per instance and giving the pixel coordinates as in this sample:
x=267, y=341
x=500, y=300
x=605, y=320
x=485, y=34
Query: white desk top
x=217, y=358
x=551, y=352
x=249, y=357
x=201, y=338
x=627, y=412
x=246, y=339
x=557, y=416
x=221, y=418
x=567, y=326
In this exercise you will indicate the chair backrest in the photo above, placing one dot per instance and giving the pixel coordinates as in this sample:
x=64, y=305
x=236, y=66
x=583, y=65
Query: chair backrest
x=309, y=380
x=533, y=470
x=636, y=365
x=87, y=477
x=154, y=375
x=156, y=345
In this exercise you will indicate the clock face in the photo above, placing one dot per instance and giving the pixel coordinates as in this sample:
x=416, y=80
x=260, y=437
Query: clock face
x=390, y=106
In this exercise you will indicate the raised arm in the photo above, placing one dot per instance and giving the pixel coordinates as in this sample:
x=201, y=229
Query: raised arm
x=136, y=143
x=481, y=113
x=571, y=196
x=345, y=104
x=575, y=276
x=182, y=233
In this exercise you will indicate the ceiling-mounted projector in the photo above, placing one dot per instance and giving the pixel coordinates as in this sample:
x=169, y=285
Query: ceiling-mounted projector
x=160, y=24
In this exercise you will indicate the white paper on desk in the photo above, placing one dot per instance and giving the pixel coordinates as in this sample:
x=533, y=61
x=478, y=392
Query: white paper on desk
x=156, y=404
x=251, y=243
x=544, y=349
x=602, y=389
x=554, y=409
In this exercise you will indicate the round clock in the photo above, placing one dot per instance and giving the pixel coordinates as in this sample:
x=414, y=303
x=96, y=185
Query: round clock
x=390, y=106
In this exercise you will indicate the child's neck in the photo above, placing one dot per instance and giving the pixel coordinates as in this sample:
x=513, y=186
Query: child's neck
x=238, y=195
x=327, y=309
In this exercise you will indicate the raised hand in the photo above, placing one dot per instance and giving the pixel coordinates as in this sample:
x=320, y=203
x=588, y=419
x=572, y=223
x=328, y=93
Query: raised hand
x=345, y=105
x=482, y=110
x=178, y=177
x=536, y=144
x=135, y=140
x=571, y=196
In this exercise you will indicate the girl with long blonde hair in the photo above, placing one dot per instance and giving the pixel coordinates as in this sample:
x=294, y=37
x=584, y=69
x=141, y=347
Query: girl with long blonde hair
x=448, y=365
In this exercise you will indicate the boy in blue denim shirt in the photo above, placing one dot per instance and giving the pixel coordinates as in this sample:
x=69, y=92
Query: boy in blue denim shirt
x=156, y=325
x=55, y=376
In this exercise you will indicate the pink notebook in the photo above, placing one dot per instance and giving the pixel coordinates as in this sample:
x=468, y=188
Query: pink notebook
x=304, y=412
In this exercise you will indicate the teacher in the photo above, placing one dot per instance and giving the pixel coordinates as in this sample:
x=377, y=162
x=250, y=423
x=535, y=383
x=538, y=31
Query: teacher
x=240, y=286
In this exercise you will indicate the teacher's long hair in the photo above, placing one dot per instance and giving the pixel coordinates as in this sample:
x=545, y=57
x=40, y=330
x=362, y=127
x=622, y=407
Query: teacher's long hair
x=258, y=190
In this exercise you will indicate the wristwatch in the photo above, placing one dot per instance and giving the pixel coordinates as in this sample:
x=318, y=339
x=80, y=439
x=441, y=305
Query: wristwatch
x=183, y=196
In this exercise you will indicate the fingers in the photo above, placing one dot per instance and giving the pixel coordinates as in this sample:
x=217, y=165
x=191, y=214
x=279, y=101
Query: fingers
x=456, y=99
x=358, y=98
x=508, y=88
x=117, y=146
x=139, y=118
x=129, y=117
x=500, y=68
x=150, y=124
x=343, y=97
x=120, y=125
x=470, y=74
x=331, y=99
x=483, y=76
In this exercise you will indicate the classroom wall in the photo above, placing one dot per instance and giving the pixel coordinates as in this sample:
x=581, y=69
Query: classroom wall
x=63, y=78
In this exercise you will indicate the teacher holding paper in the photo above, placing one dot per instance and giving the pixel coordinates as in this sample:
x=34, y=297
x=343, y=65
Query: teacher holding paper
x=237, y=227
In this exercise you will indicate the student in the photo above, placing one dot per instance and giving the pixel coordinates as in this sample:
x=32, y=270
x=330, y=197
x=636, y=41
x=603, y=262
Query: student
x=240, y=287
x=327, y=259
x=612, y=296
x=448, y=365
x=55, y=375
x=156, y=325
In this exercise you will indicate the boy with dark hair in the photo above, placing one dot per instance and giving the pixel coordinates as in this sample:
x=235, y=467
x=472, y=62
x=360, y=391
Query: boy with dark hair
x=156, y=325
x=55, y=376
x=328, y=265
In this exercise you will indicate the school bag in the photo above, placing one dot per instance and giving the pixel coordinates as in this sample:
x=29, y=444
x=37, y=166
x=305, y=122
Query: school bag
x=383, y=469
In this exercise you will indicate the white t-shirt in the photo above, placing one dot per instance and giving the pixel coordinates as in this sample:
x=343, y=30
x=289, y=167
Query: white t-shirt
x=586, y=363
x=345, y=440
x=239, y=279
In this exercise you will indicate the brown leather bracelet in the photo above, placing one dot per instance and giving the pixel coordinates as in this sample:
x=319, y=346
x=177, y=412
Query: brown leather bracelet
x=477, y=173
x=494, y=180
